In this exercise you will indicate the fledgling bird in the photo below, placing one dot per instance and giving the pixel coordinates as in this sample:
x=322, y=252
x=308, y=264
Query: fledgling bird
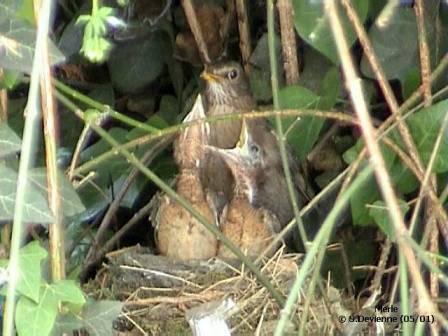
x=227, y=91
x=249, y=227
x=178, y=234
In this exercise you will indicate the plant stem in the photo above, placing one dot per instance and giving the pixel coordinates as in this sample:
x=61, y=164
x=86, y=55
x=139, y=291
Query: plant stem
x=29, y=142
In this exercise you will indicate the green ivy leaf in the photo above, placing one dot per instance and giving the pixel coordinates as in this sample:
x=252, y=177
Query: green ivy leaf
x=97, y=318
x=30, y=274
x=364, y=197
x=10, y=142
x=313, y=26
x=37, y=318
x=68, y=291
x=393, y=40
x=71, y=203
x=35, y=209
x=301, y=132
x=18, y=43
x=425, y=127
x=148, y=60
x=380, y=214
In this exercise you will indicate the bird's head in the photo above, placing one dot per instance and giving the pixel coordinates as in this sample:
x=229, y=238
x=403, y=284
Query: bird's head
x=245, y=161
x=225, y=82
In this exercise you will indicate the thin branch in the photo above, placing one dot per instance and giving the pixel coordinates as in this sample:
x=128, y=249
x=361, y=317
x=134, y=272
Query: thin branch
x=195, y=27
x=56, y=229
x=244, y=30
x=425, y=59
x=289, y=45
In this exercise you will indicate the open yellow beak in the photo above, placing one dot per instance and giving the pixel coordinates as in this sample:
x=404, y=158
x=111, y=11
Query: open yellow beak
x=209, y=77
x=244, y=136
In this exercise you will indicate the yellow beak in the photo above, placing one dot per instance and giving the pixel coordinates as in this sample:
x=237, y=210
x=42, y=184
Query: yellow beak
x=209, y=77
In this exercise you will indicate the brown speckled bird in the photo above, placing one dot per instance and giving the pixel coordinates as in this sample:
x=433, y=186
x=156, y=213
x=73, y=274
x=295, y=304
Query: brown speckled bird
x=178, y=234
x=226, y=91
x=250, y=227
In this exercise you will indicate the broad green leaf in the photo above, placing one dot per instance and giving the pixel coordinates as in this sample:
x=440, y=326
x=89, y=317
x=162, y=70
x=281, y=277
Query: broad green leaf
x=71, y=203
x=97, y=318
x=11, y=79
x=8, y=8
x=380, y=214
x=410, y=83
x=301, y=132
x=260, y=83
x=104, y=94
x=394, y=41
x=424, y=127
x=315, y=67
x=361, y=200
x=35, y=209
x=68, y=291
x=37, y=319
x=313, y=26
x=18, y=44
x=70, y=41
x=30, y=274
x=134, y=65
x=10, y=142
x=330, y=88
x=404, y=180
x=260, y=75
x=156, y=121
x=366, y=196
x=169, y=108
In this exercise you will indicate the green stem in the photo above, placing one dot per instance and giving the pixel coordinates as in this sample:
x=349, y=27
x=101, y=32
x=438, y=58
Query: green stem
x=29, y=143
x=103, y=108
x=404, y=293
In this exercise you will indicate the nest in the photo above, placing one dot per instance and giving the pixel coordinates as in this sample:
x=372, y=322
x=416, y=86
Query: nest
x=158, y=293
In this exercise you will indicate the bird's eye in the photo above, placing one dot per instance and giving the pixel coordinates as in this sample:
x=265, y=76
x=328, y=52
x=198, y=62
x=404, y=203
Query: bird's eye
x=254, y=149
x=232, y=74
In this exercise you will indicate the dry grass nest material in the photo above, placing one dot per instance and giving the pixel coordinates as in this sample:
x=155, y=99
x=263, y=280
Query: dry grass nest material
x=158, y=292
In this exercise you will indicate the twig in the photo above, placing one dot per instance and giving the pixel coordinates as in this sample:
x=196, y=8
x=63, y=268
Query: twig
x=56, y=230
x=381, y=268
x=3, y=100
x=425, y=60
x=244, y=29
x=289, y=45
x=196, y=30
x=355, y=89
